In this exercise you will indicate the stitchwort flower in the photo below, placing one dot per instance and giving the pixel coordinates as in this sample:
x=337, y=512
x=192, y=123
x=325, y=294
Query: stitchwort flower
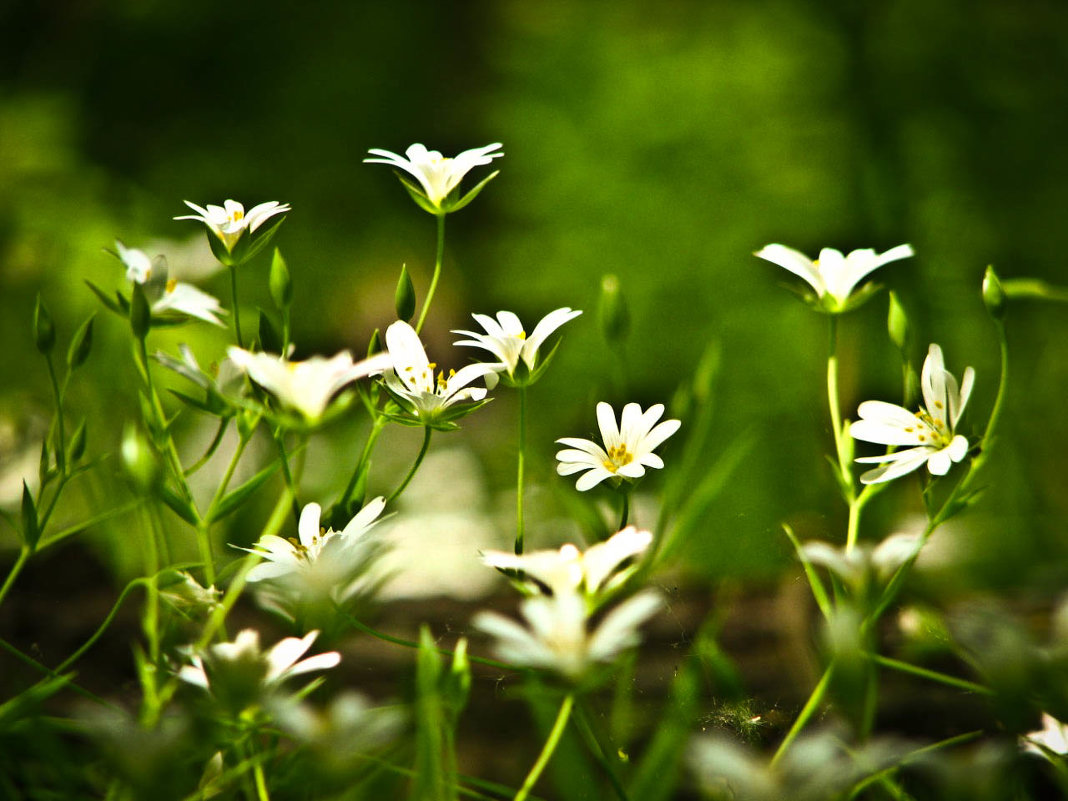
x=438, y=175
x=229, y=222
x=628, y=448
x=427, y=398
x=305, y=386
x=506, y=339
x=930, y=432
x=591, y=573
x=167, y=296
x=834, y=276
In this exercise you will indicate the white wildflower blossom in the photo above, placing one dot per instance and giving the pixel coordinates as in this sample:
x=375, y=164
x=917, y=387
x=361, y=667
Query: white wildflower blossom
x=930, y=433
x=305, y=386
x=628, y=447
x=833, y=276
x=1053, y=736
x=854, y=566
x=229, y=221
x=167, y=295
x=437, y=175
x=506, y=339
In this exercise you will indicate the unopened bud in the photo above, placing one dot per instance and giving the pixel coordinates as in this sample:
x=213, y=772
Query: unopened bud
x=77, y=443
x=44, y=331
x=897, y=324
x=140, y=314
x=993, y=294
x=612, y=310
x=80, y=345
x=404, y=297
x=280, y=283
x=138, y=459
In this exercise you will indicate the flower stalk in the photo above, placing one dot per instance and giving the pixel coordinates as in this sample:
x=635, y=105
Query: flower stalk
x=439, y=258
x=520, y=466
x=547, y=750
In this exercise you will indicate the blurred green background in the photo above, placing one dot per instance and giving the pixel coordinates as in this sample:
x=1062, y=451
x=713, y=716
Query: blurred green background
x=661, y=142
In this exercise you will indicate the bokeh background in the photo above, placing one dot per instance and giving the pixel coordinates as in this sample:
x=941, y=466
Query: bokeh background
x=662, y=143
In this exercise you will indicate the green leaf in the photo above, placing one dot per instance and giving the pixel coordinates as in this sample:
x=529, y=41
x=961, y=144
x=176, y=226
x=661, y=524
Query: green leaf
x=250, y=245
x=234, y=499
x=119, y=306
x=31, y=531
x=814, y=581
x=431, y=781
x=178, y=505
x=77, y=444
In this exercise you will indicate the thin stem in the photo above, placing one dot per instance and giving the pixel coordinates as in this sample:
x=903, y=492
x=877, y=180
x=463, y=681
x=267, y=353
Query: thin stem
x=547, y=750
x=362, y=464
x=212, y=447
x=427, y=431
x=236, y=306
x=832, y=395
x=594, y=746
x=30, y=661
x=438, y=259
x=261, y=782
x=70, y=660
x=150, y=623
x=290, y=484
x=933, y=675
x=61, y=448
x=520, y=465
x=20, y=562
x=624, y=512
x=949, y=742
x=204, y=529
x=807, y=712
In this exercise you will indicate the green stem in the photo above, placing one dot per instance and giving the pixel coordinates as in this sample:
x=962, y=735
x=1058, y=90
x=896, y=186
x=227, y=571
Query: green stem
x=593, y=743
x=150, y=624
x=427, y=431
x=933, y=675
x=807, y=712
x=261, y=782
x=61, y=448
x=547, y=751
x=283, y=457
x=31, y=662
x=377, y=426
x=20, y=562
x=520, y=466
x=212, y=447
x=70, y=660
x=236, y=306
x=949, y=742
x=624, y=513
x=438, y=259
x=204, y=529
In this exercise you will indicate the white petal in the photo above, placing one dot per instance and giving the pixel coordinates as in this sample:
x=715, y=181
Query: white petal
x=602, y=559
x=794, y=261
x=591, y=479
x=896, y=464
x=655, y=437
x=308, y=525
x=618, y=630
x=606, y=421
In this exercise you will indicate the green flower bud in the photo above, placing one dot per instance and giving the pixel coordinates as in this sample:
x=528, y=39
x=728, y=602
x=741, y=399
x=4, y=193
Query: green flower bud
x=375, y=345
x=77, y=443
x=280, y=283
x=138, y=459
x=44, y=331
x=31, y=531
x=993, y=294
x=81, y=345
x=404, y=297
x=897, y=324
x=140, y=314
x=612, y=310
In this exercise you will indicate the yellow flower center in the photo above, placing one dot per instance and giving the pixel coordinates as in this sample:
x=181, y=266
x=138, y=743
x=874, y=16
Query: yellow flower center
x=618, y=457
x=171, y=284
x=237, y=215
x=934, y=431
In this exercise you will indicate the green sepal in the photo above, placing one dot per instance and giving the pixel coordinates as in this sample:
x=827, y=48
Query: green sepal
x=178, y=505
x=254, y=243
x=44, y=330
x=120, y=305
x=235, y=498
x=44, y=466
x=419, y=196
x=81, y=345
x=270, y=339
x=77, y=444
x=140, y=313
x=459, y=204
x=857, y=299
x=993, y=294
x=31, y=531
x=200, y=405
x=279, y=282
x=404, y=296
x=219, y=250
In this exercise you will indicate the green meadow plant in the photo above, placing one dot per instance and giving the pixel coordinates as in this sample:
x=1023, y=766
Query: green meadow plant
x=215, y=714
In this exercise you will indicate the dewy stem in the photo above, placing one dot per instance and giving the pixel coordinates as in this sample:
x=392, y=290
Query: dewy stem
x=427, y=431
x=520, y=466
x=236, y=307
x=547, y=750
x=438, y=259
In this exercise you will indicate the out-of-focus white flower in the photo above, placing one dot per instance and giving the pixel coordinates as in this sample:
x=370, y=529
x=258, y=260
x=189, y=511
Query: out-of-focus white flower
x=833, y=275
x=229, y=221
x=569, y=570
x=342, y=732
x=506, y=339
x=438, y=175
x=167, y=295
x=930, y=432
x=1052, y=736
x=432, y=399
x=239, y=674
x=558, y=635
x=856, y=565
x=323, y=564
x=186, y=593
x=628, y=448
x=305, y=386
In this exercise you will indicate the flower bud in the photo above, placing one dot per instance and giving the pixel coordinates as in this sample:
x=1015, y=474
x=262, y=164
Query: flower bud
x=77, y=443
x=80, y=345
x=31, y=531
x=375, y=345
x=138, y=459
x=897, y=324
x=44, y=331
x=280, y=283
x=140, y=314
x=404, y=297
x=612, y=310
x=993, y=294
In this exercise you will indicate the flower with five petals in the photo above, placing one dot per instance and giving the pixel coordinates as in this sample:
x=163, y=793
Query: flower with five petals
x=438, y=175
x=628, y=448
x=930, y=433
x=834, y=276
x=506, y=339
x=229, y=223
x=167, y=295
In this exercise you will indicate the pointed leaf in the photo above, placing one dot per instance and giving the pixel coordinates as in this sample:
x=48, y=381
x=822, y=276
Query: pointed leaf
x=31, y=531
x=178, y=505
x=234, y=499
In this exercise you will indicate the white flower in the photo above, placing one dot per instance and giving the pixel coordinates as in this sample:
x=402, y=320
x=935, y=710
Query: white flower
x=229, y=221
x=568, y=569
x=558, y=637
x=167, y=295
x=1052, y=736
x=305, y=386
x=324, y=563
x=412, y=381
x=833, y=275
x=856, y=565
x=238, y=673
x=506, y=338
x=436, y=174
x=930, y=432
x=627, y=451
